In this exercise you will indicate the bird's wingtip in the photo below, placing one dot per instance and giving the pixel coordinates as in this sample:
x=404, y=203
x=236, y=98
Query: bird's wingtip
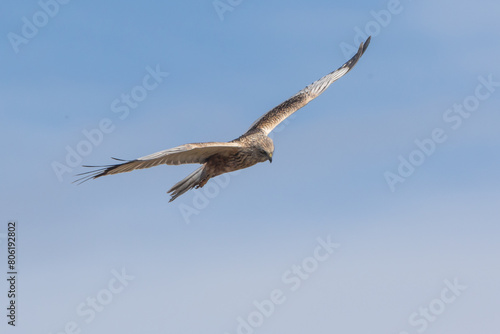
x=367, y=42
x=364, y=45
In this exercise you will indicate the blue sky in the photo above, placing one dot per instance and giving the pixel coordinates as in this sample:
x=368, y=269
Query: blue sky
x=426, y=241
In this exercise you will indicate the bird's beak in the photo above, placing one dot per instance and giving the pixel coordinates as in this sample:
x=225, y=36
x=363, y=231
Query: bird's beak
x=270, y=158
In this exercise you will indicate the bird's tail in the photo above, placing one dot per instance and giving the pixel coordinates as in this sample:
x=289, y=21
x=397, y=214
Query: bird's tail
x=197, y=179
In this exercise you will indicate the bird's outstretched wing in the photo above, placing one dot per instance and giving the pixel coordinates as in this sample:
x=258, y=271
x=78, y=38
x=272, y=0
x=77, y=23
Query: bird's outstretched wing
x=184, y=154
x=277, y=115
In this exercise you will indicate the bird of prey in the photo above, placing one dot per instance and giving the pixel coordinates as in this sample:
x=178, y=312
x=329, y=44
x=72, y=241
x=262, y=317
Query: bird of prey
x=217, y=158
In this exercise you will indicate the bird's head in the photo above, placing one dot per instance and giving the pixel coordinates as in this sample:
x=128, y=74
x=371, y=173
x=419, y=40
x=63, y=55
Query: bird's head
x=266, y=149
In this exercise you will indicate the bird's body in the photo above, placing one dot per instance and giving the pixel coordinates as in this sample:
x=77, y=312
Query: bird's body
x=253, y=148
x=218, y=158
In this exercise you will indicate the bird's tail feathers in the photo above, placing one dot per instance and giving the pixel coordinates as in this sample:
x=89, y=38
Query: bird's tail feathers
x=198, y=178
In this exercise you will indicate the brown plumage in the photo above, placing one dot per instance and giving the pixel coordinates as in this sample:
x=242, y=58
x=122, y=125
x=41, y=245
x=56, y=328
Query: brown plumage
x=218, y=158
